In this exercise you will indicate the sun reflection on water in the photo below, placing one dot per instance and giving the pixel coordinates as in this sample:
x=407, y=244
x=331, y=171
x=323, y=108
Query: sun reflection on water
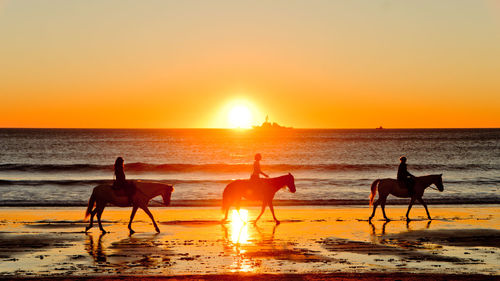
x=239, y=227
x=239, y=240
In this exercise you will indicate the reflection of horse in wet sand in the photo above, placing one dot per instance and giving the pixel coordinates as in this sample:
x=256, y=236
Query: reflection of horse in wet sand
x=258, y=189
x=145, y=190
x=392, y=186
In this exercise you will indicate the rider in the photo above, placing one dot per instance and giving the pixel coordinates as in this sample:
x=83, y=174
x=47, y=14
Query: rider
x=405, y=177
x=120, y=181
x=256, y=168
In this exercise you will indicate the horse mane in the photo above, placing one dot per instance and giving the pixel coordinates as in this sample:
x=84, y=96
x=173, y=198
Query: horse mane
x=429, y=176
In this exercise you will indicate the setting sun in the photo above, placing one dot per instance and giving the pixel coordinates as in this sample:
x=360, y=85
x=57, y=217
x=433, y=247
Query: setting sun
x=240, y=117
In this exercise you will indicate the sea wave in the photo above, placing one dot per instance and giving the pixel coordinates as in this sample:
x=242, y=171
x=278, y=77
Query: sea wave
x=308, y=182
x=140, y=167
x=217, y=202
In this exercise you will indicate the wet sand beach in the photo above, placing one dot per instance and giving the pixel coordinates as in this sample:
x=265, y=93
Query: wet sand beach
x=311, y=243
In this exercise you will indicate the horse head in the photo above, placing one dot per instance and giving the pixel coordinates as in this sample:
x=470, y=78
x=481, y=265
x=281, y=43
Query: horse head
x=439, y=182
x=167, y=193
x=291, y=183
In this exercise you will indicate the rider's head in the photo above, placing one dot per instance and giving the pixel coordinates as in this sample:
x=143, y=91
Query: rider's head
x=258, y=157
x=119, y=163
x=402, y=159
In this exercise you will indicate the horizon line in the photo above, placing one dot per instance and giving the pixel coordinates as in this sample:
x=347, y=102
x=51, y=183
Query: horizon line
x=244, y=129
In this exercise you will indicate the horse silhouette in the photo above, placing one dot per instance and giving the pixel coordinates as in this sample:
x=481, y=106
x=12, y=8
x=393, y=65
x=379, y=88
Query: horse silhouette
x=392, y=186
x=255, y=189
x=145, y=190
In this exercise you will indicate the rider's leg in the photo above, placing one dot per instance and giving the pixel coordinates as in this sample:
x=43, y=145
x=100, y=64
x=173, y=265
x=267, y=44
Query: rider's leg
x=410, y=184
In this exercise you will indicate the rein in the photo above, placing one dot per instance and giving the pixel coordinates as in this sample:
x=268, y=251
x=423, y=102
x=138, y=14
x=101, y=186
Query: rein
x=435, y=188
x=157, y=201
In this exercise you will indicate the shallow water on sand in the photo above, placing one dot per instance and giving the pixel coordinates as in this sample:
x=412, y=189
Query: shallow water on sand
x=460, y=239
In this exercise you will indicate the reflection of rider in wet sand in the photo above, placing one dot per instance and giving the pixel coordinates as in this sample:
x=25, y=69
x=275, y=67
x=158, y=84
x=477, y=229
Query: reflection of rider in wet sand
x=120, y=181
x=405, y=177
x=256, y=168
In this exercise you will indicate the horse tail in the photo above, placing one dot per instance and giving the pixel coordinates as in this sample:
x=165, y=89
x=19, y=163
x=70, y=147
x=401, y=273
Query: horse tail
x=91, y=204
x=374, y=191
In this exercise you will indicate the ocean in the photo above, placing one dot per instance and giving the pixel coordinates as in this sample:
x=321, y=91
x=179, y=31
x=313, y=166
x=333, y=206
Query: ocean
x=59, y=167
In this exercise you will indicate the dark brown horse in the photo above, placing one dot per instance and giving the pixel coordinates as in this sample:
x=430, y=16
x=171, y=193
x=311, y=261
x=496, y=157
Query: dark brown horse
x=392, y=186
x=145, y=190
x=258, y=190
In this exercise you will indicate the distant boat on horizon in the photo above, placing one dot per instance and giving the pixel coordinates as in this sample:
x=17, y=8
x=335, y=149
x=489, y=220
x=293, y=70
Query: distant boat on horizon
x=380, y=128
x=270, y=126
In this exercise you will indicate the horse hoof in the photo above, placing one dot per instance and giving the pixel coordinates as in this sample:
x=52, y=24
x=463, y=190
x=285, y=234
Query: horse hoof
x=157, y=230
x=103, y=231
x=278, y=222
x=386, y=219
x=131, y=232
x=87, y=229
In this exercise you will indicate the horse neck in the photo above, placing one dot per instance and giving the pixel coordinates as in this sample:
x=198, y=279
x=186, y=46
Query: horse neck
x=153, y=190
x=279, y=182
x=427, y=180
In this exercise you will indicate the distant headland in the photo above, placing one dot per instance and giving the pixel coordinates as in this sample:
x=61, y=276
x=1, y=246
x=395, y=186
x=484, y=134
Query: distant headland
x=270, y=126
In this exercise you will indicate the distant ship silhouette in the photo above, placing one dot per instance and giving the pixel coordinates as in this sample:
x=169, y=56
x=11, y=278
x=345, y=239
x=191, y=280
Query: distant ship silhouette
x=270, y=126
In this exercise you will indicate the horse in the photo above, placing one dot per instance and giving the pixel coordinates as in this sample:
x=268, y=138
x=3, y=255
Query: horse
x=145, y=190
x=255, y=189
x=392, y=186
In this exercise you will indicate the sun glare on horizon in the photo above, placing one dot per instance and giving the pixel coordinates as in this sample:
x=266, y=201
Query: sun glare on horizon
x=240, y=116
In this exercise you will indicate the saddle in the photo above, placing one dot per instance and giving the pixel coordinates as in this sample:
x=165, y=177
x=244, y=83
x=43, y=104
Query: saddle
x=408, y=185
x=124, y=189
x=402, y=184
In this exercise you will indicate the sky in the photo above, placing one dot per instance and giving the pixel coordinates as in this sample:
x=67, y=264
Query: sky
x=306, y=64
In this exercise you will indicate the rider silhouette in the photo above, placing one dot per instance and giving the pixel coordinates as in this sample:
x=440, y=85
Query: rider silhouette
x=256, y=168
x=405, y=177
x=120, y=181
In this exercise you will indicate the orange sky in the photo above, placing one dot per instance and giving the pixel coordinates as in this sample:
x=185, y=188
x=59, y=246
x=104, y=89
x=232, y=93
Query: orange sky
x=321, y=64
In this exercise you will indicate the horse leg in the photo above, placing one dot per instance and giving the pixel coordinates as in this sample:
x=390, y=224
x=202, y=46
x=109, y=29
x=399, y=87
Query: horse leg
x=100, y=209
x=425, y=206
x=383, y=208
x=132, y=215
x=409, y=208
x=238, y=207
x=261, y=212
x=146, y=210
x=272, y=211
x=375, y=204
x=91, y=223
